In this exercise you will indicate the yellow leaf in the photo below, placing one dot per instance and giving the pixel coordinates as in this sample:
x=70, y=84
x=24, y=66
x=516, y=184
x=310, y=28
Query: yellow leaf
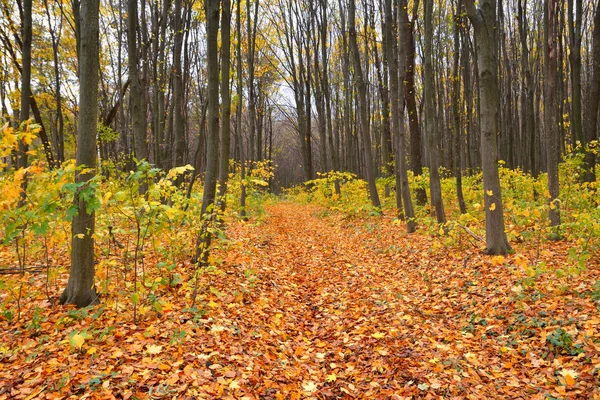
x=153, y=349
x=234, y=385
x=309, y=386
x=91, y=350
x=493, y=207
x=164, y=367
x=569, y=376
x=497, y=260
x=378, y=335
x=77, y=340
x=331, y=378
x=490, y=192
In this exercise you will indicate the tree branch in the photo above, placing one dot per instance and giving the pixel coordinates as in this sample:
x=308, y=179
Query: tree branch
x=473, y=12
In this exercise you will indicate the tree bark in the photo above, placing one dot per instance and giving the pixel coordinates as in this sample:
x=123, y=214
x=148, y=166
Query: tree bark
x=457, y=104
x=178, y=89
x=395, y=59
x=25, y=89
x=80, y=287
x=251, y=41
x=483, y=19
x=416, y=162
x=430, y=117
x=136, y=93
x=528, y=118
x=362, y=97
x=238, y=111
x=225, y=103
x=575, y=23
x=593, y=105
x=212, y=135
x=550, y=112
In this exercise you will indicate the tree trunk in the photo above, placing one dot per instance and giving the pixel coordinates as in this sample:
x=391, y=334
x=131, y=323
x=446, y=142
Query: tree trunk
x=483, y=19
x=575, y=24
x=593, y=104
x=430, y=117
x=416, y=163
x=178, y=89
x=550, y=112
x=528, y=118
x=251, y=40
x=457, y=104
x=25, y=89
x=238, y=111
x=333, y=153
x=362, y=97
x=136, y=93
x=55, y=35
x=212, y=135
x=395, y=59
x=226, y=102
x=80, y=287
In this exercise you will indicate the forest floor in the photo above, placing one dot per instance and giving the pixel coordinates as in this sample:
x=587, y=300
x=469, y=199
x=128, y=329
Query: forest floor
x=307, y=303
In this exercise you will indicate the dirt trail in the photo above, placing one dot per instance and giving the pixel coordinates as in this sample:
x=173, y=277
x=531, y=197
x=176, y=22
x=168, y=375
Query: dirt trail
x=336, y=305
x=357, y=308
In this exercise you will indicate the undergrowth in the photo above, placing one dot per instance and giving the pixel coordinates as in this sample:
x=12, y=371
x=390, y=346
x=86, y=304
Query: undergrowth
x=525, y=200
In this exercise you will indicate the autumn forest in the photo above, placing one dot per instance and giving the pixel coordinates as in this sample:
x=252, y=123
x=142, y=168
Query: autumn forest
x=289, y=199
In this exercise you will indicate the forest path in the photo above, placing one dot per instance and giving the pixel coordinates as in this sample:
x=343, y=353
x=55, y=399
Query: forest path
x=303, y=302
x=339, y=301
x=355, y=307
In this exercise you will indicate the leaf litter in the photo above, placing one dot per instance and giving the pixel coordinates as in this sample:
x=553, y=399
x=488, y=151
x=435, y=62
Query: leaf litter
x=306, y=305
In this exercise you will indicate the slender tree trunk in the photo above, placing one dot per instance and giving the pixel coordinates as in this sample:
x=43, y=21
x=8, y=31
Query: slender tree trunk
x=212, y=134
x=416, y=163
x=396, y=56
x=575, y=24
x=333, y=155
x=238, y=113
x=362, y=97
x=55, y=35
x=178, y=89
x=25, y=89
x=136, y=93
x=251, y=40
x=483, y=19
x=80, y=287
x=527, y=97
x=593, y=104
x=430, y=117
x=457, y=137
x=550, y=112
x=225, y=103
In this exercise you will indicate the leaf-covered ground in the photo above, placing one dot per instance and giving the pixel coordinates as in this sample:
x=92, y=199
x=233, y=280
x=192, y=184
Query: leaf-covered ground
x=309, y=304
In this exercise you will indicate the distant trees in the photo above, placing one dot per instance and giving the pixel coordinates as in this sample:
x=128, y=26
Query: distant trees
x=317, y=86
